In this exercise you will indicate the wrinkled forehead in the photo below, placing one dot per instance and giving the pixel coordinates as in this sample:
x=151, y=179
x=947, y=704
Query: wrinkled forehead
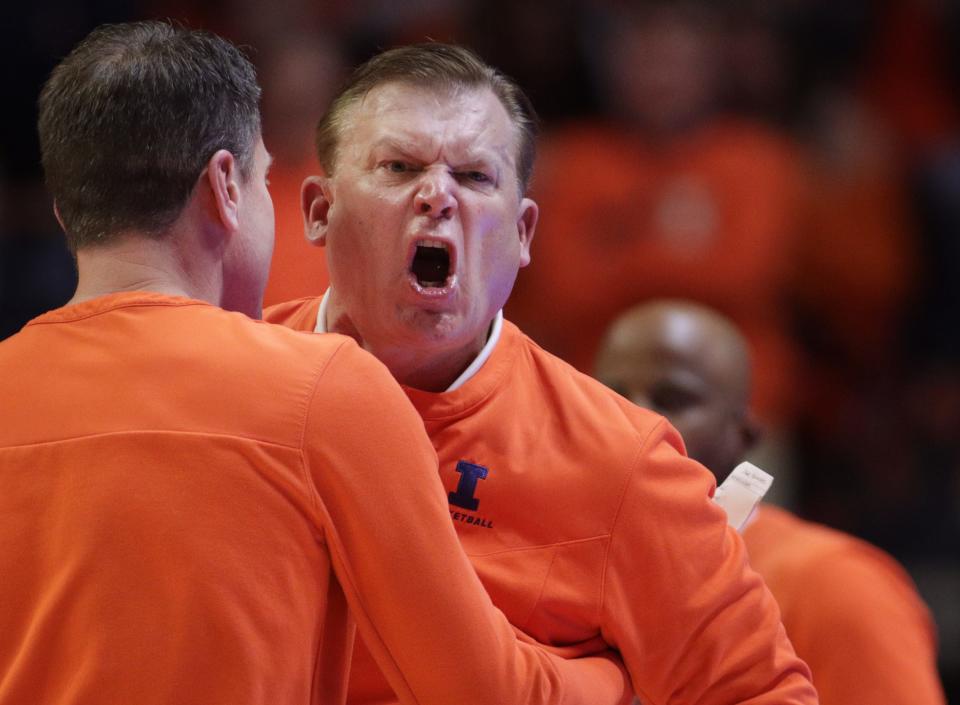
x=469, y=119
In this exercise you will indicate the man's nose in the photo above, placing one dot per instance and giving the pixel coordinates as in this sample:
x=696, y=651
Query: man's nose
x=436, y=194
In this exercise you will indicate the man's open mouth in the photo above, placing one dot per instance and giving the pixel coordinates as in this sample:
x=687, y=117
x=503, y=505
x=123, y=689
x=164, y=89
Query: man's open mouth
x=431, y=264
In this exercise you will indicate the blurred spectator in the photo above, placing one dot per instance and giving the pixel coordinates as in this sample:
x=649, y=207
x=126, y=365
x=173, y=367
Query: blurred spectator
x=855, y=277
x=852, y=613
x=543, y=45
x=877, y=277
x=857, y=261
x=670, y=198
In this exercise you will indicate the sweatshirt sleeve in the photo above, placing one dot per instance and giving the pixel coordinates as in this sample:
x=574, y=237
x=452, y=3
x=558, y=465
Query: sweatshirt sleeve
x=695, y=624
x=417, y=601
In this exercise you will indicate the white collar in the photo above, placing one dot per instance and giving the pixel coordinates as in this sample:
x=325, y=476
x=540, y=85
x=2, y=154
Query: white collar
x=467, y=374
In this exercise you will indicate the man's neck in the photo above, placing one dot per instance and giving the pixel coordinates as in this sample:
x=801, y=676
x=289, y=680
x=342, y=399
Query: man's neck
x=425, y=368
x=435, y=374
x=136, y=263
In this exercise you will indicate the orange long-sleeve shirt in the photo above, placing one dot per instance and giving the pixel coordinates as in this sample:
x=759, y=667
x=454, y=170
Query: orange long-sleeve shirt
x=195, y=506
x=589, y=528
x=851, y=611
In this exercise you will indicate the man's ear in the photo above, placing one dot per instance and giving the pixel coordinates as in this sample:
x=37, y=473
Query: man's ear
x=526, y=226
x=223, y=179
x=315, y=202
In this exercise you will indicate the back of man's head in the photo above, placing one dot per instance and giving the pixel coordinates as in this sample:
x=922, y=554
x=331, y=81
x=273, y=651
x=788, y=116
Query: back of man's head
x=690, y=364
x=442, y=67
x=129, y=120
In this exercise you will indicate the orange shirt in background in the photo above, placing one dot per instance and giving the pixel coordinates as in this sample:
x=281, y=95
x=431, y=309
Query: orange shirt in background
x=709, y=217
x=851, y=611
x=196, y=506
x=589, y=528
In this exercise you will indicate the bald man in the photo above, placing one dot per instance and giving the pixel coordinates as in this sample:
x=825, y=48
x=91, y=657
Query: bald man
x=852, y=612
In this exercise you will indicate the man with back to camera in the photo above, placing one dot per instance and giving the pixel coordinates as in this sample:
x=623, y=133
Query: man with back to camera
x=852, y=613
x=585, y=522
x=179, y=522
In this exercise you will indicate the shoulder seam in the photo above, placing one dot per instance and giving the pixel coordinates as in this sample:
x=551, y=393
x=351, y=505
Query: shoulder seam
x=41, y=319
x=148, y=431
x=314, y=496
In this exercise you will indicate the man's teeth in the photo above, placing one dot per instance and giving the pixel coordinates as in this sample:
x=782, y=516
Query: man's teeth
x=432, y=243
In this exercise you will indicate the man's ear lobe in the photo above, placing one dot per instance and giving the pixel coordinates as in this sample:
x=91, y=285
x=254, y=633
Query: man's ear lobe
x=223, y=177
x=315, y=202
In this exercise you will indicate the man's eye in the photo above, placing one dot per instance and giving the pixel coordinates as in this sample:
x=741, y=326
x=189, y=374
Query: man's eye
x=397, y=167
x=477, y=177
x=667, y=400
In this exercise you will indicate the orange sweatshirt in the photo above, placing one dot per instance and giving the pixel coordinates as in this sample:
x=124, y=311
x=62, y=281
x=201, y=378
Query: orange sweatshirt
x=194, y=504
x=589, y=528
x=851, y=611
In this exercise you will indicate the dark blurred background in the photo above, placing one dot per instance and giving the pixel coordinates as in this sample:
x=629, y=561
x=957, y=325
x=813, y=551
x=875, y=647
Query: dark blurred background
x=794, y=163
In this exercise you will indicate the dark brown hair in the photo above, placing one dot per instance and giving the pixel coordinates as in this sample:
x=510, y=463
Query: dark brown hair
x=129, y=119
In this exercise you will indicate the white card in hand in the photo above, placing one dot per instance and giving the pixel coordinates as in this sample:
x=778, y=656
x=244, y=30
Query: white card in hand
x=741, y=492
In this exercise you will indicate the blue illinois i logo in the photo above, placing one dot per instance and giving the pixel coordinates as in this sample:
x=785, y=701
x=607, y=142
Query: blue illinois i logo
x=470, y=474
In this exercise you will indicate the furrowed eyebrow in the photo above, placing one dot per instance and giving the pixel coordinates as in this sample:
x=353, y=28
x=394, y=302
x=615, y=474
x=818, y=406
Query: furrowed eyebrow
x=390, y=143
x=493, y=160
x=478, y=164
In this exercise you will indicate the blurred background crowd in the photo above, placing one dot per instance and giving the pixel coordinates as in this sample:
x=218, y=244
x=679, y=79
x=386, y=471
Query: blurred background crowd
x=792, y=163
